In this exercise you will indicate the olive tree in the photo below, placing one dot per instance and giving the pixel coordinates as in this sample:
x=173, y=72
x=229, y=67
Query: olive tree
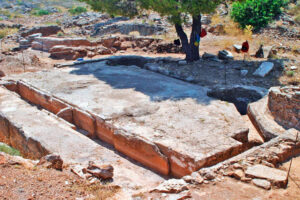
x=177, y=12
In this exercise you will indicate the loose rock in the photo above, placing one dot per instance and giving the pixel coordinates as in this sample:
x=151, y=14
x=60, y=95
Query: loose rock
x=262, y=183
x=171, y=186
x=238, y=174
x=100, y=172
x=237, y=48
x=52, y=161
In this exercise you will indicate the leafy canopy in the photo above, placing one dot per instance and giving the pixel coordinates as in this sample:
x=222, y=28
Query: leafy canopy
x=257, y=13
x=176, y=10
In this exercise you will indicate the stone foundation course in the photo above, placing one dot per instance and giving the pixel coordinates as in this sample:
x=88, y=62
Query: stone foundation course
x=169, y=126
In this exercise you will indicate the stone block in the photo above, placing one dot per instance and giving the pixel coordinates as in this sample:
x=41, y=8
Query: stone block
x=142, y=151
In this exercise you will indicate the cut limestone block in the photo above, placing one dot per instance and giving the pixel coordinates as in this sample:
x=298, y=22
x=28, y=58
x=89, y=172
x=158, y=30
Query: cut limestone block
x=166, y=124
x=264, y=69
x=263, y=121
x=275, y=176
x=36, y=133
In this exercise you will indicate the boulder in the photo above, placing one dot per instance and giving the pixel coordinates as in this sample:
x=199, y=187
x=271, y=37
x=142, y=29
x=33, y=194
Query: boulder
x=44, y=30
x=275, y=176
x=264, y=69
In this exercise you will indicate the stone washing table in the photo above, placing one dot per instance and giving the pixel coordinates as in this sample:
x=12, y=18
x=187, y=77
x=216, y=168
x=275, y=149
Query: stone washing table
x=168, y=125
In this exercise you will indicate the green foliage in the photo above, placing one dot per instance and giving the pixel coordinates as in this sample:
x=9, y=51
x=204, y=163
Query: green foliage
x=77, y=10
x=41, y=12
x=9, y=150
x=257, y=13
x=60, y=34
x=290, y=73
x=174, y=9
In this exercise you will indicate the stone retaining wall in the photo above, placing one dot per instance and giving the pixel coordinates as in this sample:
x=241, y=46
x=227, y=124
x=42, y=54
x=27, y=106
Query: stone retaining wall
x=284, y=104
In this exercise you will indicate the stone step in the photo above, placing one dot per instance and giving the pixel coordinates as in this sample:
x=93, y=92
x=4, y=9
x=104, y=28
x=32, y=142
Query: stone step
x=37, y=133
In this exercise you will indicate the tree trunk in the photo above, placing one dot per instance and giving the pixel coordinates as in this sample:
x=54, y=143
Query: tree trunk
x=190, y=49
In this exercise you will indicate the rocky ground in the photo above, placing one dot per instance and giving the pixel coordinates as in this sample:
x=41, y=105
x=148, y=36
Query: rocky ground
x=31, y=43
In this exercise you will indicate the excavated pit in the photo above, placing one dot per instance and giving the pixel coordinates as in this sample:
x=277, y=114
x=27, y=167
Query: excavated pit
x=240, y=96
x=168, y=125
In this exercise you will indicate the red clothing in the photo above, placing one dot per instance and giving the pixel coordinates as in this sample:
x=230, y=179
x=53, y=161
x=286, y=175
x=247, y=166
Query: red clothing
x=245, y=47
x=203, y=33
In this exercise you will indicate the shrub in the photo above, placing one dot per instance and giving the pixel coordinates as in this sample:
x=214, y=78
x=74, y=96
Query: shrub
x=257, y=13
x=77, y=10
x=9, y=150
x=41, y=12
x=290, y=73
x=60, y=34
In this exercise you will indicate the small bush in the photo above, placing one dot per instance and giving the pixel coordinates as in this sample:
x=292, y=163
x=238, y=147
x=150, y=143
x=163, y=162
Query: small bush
x=77, y=10
x=290, y=73
x=41, y=12
x=257, y=13
x=9, y=150
x=60, y=34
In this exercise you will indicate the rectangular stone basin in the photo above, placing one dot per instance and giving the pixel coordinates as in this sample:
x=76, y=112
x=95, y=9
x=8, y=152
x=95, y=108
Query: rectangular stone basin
x=169, y=125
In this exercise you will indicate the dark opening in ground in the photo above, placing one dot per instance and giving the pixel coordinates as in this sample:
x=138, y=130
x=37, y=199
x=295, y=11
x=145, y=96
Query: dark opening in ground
x=239, y=96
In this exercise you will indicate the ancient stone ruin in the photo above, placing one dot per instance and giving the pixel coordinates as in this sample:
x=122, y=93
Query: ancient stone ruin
x=284, y=104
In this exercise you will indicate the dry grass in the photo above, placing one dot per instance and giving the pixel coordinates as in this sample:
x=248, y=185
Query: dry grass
x=134, y=33
x=232, y=28
x=7, y=31
x=98, y=191
x=291, y=77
